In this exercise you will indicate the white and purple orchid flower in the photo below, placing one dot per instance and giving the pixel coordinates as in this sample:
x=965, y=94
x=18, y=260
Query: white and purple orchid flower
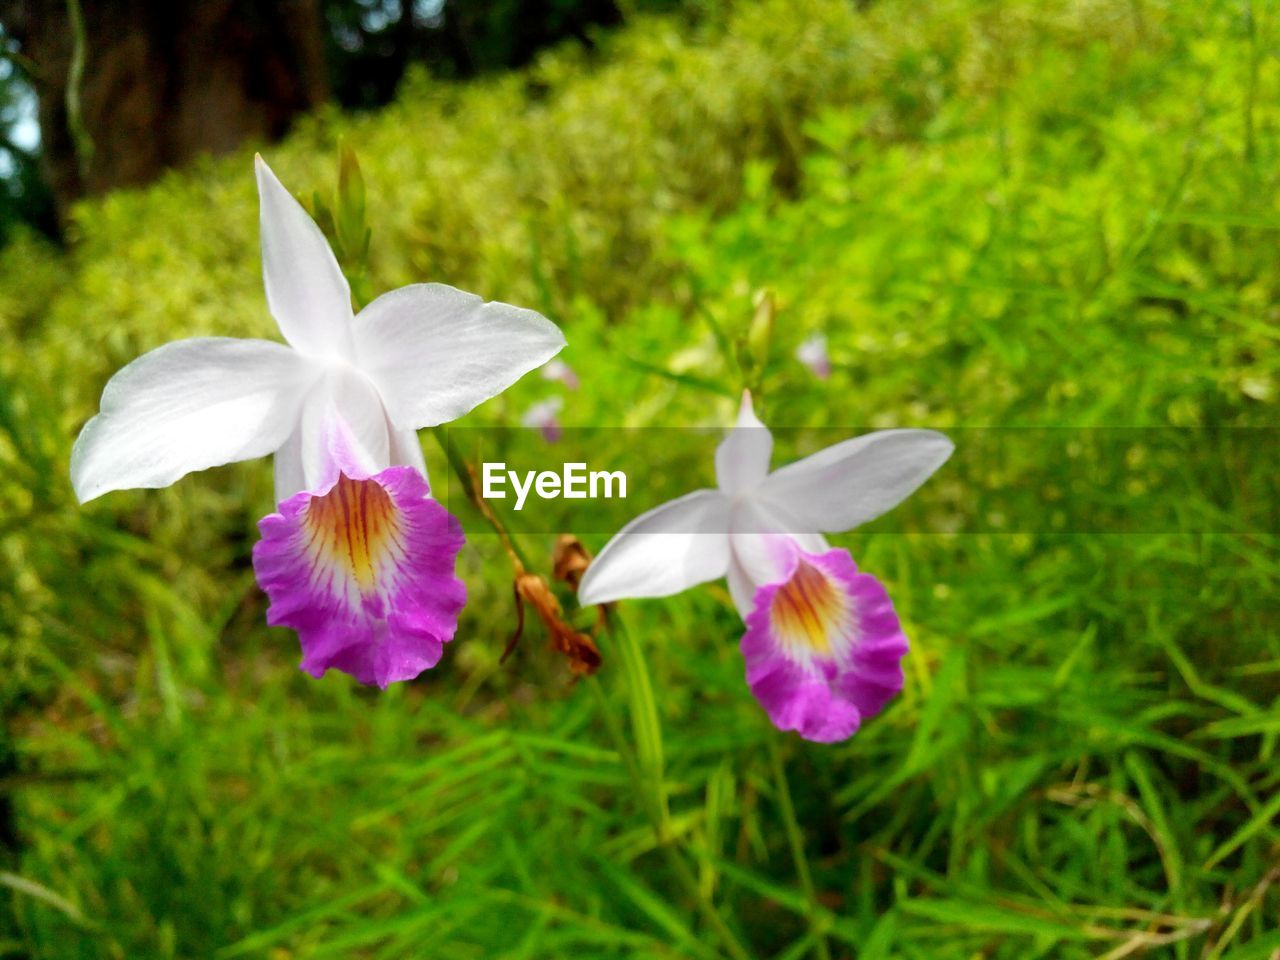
x=823, y=645
x=359, y=560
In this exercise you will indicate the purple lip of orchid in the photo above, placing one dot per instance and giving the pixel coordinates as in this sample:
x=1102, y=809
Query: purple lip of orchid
x=823, y=645
x=340, y=408
x=362, y=567
x=364, y=572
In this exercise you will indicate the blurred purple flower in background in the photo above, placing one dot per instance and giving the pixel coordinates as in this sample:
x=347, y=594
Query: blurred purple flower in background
x=560, y=372
x=812, y=352
x=545, y=416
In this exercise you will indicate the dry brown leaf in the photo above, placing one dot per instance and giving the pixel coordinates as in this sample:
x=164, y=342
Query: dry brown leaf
x=581, y=651
x=570, y=560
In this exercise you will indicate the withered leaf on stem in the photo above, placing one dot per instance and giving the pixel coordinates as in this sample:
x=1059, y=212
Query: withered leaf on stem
x=570, y=560
x=581, y=651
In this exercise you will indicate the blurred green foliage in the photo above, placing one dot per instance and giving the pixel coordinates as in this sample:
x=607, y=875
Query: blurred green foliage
x=1059, y=214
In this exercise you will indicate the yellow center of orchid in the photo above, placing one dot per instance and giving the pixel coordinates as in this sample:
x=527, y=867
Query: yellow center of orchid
x=809, y=612
x=352, y=528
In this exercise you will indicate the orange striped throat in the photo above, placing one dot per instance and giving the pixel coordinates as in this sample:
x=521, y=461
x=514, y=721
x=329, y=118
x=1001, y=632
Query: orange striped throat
x=353, y=535
x=810, y=615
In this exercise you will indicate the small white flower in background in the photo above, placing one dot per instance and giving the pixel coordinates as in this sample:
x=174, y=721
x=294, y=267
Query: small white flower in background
x=812, y=352
x=823, y=645
x=545, y=416
x=560, y=372
x=358, y=560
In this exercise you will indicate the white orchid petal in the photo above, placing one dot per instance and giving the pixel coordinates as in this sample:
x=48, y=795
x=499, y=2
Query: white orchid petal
x=290, y=477
x=763, y=557
x=669, y=549
x=342, y=400
x=436, y=352
x=406, y=450
x=344, y=428
x=760, y=552
x=741, y=588
x=306, y=291
x=756, y=560
x=855, y=481
x=189, y=405
x=742, y=459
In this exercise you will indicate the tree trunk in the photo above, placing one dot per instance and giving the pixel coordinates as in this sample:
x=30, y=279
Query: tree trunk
x=164, y=81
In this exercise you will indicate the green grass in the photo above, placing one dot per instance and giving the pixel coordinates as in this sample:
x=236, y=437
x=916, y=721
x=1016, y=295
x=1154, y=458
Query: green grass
x=1053, y=215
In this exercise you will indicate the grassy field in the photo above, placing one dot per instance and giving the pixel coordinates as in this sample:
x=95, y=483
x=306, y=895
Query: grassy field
x=1051, y=215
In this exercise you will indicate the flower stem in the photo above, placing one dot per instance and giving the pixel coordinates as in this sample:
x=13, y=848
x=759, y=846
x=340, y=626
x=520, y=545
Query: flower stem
x=467, y=477
x=646, y=764
x=653, y=796
x=80, y=138
x=645, y=725
x=796, y=841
